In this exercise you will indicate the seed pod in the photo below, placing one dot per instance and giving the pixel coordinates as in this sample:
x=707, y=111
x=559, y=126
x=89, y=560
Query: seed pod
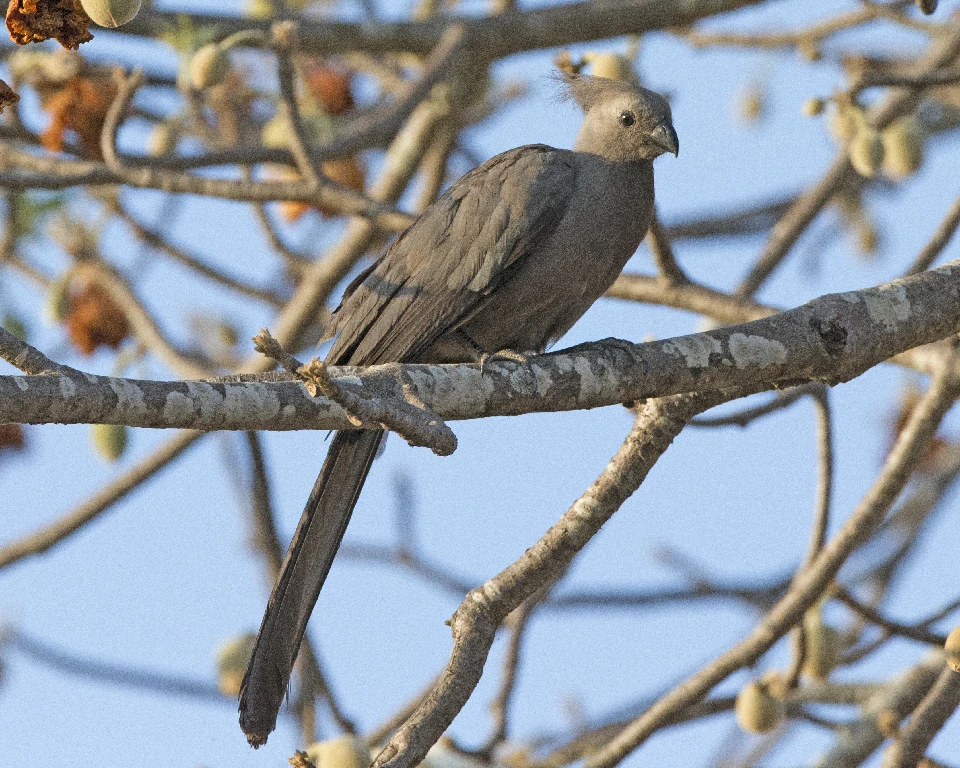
x=342, y=752
x=756, y=710
x=866, y=152
x=111, y=13
x=275, y=132
x=813, y=107
x=952, y=647
x=209, y=66
x=232, y=659
x=926, y=6
x=823, y=646
x=902, y=147
x=845, y=122
x=162, y=140
x=613, y=66
x=109, y=440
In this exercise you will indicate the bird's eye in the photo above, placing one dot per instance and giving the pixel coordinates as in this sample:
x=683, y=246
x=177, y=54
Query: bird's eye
x=627, y=119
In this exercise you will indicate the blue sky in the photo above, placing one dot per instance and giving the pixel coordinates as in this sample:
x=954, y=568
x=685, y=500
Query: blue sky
x=168, y=573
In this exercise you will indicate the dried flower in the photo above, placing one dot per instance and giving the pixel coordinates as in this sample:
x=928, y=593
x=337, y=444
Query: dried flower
x=32, y=21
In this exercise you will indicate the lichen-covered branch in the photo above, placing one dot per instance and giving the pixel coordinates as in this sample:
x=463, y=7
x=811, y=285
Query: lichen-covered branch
x=832, y=339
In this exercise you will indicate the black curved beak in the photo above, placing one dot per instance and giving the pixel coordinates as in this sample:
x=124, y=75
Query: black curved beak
x=665, y=137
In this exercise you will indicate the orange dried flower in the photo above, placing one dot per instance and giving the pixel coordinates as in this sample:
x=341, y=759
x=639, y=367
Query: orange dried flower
x=329, y=85
x=346, y=171
x=11, y=437
x=7, y=96
x=31, y=21
x=80, y=106
x=94, y=320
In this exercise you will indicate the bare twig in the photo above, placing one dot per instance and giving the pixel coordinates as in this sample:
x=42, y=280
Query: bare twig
x=938, y=242
x=100, y=502
x=929, y=717
x=810, y=583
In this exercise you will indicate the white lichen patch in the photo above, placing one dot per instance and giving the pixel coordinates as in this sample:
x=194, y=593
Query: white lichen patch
x=759, y=351
x=544, y=379
x=21, y=383
x=245, y=400
x=130, y=402
x=850, y=297
x=289, y=412
x=206, y=401
x=695, y=350
x=889, y=307
x=67, y=387
x=178, y=409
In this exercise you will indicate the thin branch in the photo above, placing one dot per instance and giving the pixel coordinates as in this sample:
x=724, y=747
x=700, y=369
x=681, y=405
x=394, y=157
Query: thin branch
x=48, y=537
x=475, y=622
x=929, y=717
x=156, y=241
x=810, y=583
x=913, y=632
x=663, y=257
x=832, y=339
x=114, y=674
x=938, y=242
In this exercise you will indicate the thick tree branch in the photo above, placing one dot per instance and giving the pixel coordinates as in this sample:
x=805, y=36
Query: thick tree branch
x=832, y=339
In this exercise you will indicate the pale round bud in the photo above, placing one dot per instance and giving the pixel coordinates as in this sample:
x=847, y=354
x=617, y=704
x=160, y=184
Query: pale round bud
x=903, y=142
x=614, y=66
x=866, y=152
x=111, y=13
x=109, y=440
x=756, y=710
x=233, y=655
x=952, y=647
x=813, y=107
x=162, y=140
x=209, y=66
x=845, y=122
x=276, y=132
x=823, y=646
x=343, y=752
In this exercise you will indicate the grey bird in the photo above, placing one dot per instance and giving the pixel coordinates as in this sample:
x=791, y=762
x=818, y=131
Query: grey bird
x=505, y=261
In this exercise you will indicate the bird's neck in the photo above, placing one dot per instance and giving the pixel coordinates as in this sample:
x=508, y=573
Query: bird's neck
x=588, y=144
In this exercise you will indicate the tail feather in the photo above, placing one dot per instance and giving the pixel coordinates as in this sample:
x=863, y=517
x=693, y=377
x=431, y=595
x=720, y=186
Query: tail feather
x=304, y=570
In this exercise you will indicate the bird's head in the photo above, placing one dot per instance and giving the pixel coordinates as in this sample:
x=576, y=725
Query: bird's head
x=622, y=122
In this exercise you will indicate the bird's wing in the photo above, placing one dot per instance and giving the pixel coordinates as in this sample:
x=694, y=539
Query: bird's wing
x=436, y=275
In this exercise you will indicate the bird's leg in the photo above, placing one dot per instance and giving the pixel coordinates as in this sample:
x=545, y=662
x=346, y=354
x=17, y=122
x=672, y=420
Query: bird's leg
x=480, y=355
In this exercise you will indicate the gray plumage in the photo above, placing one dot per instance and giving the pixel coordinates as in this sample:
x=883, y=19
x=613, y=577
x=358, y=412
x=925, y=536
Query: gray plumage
x=507, y=259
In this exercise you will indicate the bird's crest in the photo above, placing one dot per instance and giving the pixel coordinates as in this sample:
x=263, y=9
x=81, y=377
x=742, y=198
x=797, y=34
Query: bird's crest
x=587, y=90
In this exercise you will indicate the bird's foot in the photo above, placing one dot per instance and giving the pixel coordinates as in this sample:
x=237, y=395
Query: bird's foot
x=504, y=354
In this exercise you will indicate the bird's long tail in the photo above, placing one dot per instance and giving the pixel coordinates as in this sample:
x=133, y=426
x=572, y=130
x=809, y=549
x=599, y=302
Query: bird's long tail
x=304, y=570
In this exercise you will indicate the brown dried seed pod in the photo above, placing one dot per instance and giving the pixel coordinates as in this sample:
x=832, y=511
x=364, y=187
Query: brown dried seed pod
x=926, y=6
x=952, y=647
x=866, y=152
x=756, y=710
x=903, y=142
